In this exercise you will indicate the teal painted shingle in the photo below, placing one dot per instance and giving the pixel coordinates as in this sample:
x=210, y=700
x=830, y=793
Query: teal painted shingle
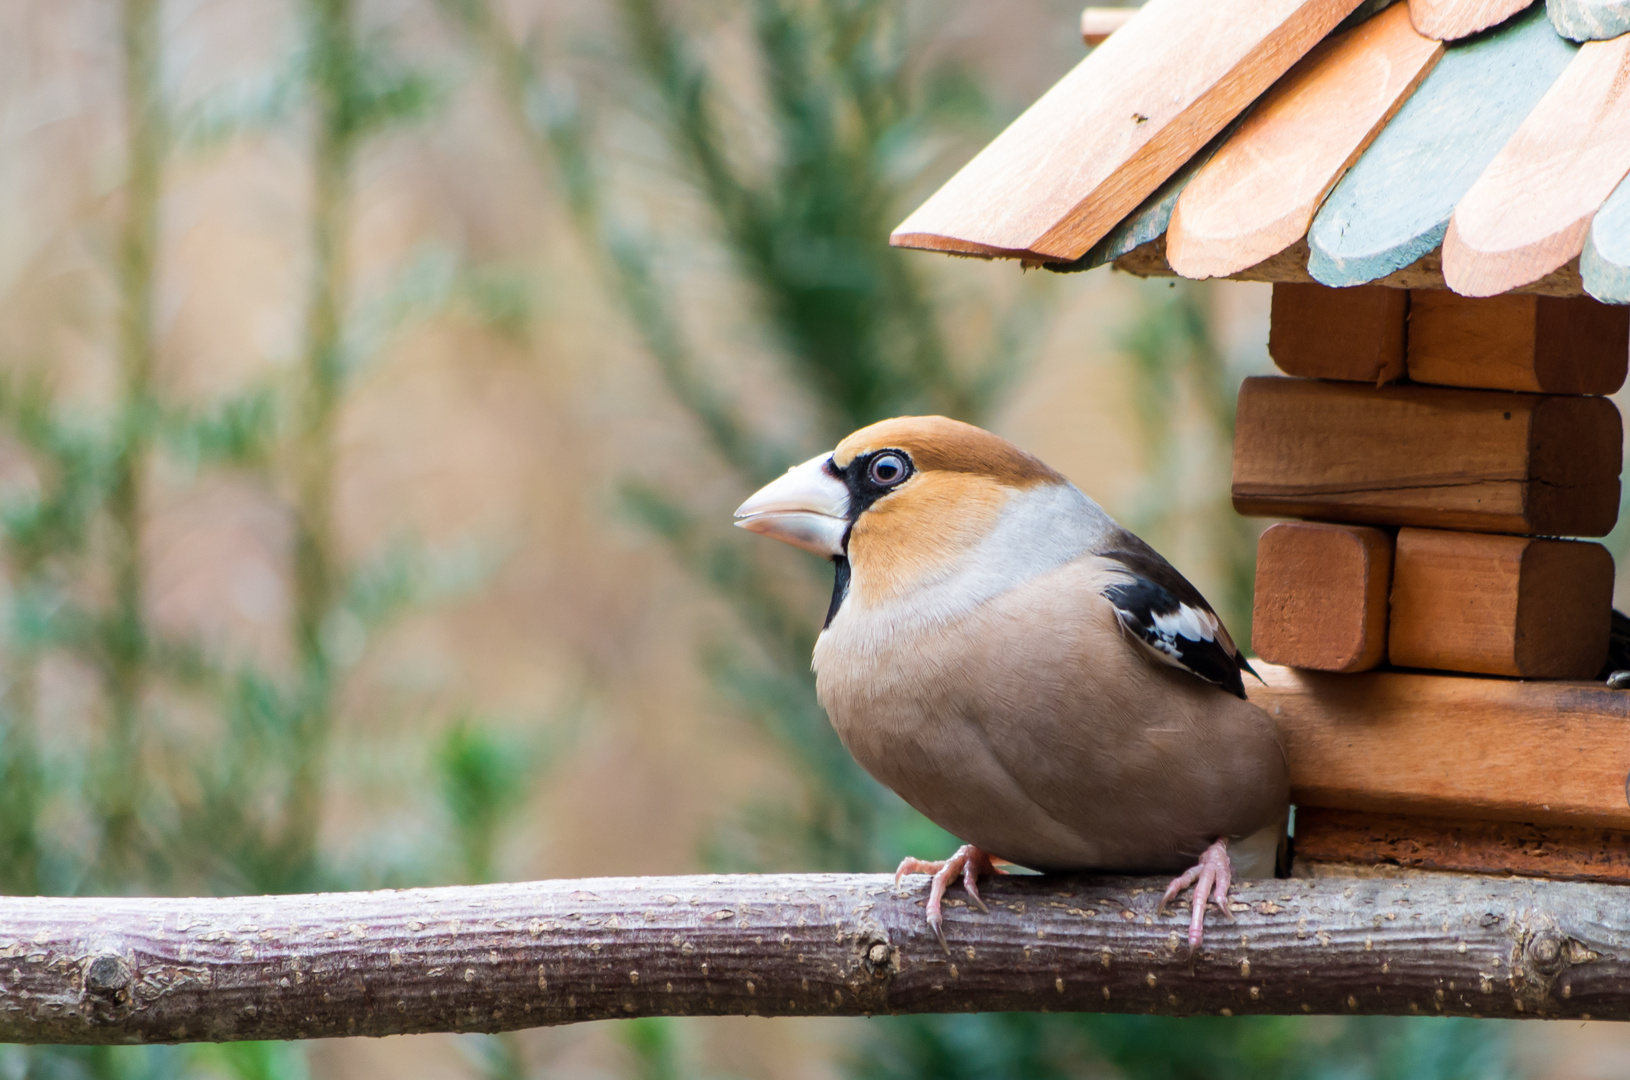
x=1394, y=204
x=1150, y=219
x=1605, y=264
x=1589, y=20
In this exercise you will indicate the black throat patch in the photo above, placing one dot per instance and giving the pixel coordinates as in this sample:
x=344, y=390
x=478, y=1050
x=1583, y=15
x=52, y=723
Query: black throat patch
x=840, y=588
x=863, y=492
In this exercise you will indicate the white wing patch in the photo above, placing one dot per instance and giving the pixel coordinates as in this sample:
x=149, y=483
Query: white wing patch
x=1176, y=632
x=1189, y=622
x=1161, y=633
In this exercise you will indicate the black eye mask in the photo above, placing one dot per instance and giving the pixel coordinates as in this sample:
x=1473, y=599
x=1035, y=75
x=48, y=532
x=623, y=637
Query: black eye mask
x=869, y=477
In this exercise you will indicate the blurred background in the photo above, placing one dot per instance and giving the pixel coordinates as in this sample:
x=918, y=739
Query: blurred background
x=377, y=378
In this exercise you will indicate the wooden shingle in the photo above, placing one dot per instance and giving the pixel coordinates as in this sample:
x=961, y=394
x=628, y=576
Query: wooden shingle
x=1517, y=137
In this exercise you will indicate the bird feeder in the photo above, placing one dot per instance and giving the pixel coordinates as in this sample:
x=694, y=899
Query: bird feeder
x=1436, y=190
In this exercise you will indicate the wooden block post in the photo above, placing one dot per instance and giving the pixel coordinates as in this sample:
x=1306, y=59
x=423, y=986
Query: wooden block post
x=1426, y=771
x=1454, y=746
x=1480, y=460
x=1572, y=853
x=1321, y=596
x=1500, y=605
x=1539, y=344
x=1354, y=334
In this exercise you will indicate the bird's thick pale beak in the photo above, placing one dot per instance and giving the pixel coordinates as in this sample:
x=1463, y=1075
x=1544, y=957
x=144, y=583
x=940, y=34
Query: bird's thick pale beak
x=807, y=508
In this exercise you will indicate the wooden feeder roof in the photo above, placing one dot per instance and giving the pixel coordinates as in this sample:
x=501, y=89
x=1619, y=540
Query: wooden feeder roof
x=1475, y=145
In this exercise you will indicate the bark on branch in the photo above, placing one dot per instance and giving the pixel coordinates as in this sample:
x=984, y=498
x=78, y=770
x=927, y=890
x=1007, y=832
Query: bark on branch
x=492, y=958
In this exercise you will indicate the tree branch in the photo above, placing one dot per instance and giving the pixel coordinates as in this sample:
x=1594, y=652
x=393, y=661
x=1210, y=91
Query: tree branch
x=499, y=957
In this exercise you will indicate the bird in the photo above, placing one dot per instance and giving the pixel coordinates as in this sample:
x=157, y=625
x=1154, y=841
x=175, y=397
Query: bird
x=1024, y=671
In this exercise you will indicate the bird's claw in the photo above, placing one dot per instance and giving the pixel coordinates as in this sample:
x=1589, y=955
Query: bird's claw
x=969, y=861
x=1211, y=877
x=909, y=865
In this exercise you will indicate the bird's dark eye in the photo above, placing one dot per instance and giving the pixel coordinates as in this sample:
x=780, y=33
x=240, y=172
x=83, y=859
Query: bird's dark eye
x=887, y=470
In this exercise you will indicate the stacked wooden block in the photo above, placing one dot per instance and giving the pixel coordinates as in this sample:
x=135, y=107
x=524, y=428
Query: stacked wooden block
x=1437, y=449
x=1431, y=503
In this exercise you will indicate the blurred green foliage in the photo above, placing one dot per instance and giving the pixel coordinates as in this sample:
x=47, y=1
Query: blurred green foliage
x=858, y=327
x=137, y=804
x=1034, y=1047
x=1171, y=350
x=653, y=1045
x=484, y=779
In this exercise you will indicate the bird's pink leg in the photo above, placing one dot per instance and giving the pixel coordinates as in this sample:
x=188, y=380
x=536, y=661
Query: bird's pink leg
x=1210, y=877
x=968, y=861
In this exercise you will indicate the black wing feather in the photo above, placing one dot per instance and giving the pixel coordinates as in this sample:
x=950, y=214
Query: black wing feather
x=1151, y=605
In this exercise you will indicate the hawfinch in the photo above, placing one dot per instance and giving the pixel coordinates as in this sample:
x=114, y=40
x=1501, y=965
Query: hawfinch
x=1021, y=669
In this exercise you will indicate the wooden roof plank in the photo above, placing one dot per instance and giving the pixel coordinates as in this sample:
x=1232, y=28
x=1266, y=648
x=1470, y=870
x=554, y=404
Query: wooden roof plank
x=1257, y=196
x=1448, y=20
x=1529, y=211
x=1605, y=264
x=1152, y=216
x=1290, y=265
x=1589, y=20
x=1394, y=205
x=1097, y=23
x=1111, y=131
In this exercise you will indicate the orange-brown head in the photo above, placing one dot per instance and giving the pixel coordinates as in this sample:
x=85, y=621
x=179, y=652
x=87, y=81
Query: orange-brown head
x=896, y=502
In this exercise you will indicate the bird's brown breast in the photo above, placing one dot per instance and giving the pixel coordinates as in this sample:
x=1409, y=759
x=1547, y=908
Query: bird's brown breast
x=1029, y=726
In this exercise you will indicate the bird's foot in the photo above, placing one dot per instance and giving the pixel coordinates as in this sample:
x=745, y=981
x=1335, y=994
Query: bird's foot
x=968, y=861
x=1210, y=877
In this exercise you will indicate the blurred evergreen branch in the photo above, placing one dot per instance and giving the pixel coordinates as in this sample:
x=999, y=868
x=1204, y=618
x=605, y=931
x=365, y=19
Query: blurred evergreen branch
x=240, y=430
x=379, y=92
x=1043, y=1047
x=548, y=113
x=855, y=318
x=495, y=1057
x=484, y=779
x=859, y=327
x=143, y=804
x=837, y=823
x=655, y=1048
x=44, y=526
x=346, y=106
x=123, y=638
x=433, y=281
x=256, y=1060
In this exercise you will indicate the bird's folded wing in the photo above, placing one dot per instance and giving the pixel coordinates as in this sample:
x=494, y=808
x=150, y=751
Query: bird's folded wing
x=1166, y=615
